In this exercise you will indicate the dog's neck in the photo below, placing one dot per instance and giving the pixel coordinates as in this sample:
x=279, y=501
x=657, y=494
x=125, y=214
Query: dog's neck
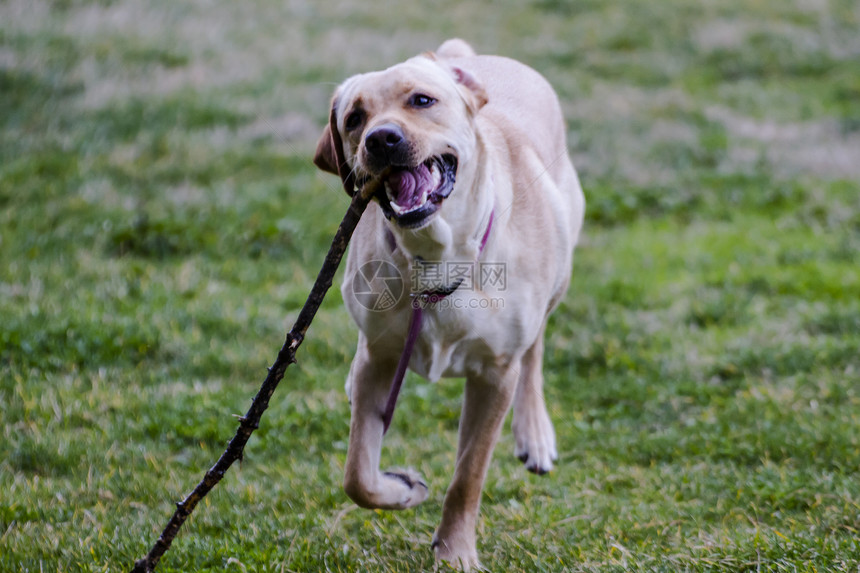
x=445, y=241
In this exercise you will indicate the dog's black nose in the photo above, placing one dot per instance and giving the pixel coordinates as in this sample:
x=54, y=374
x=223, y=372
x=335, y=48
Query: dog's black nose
x=386, y=145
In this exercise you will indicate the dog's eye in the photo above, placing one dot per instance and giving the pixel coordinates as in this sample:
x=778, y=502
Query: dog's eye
x=354, y=119
x=421, y=100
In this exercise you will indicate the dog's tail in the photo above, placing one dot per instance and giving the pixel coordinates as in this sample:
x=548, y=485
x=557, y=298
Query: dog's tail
x=455, y=48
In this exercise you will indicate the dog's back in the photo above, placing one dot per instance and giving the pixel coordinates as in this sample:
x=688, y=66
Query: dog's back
x=523, y=104
x=524, y=108
x=520, y=97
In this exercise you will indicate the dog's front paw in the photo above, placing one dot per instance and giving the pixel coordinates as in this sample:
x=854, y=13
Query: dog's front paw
x=535, y=441
x=416, y=490
x=397, y=489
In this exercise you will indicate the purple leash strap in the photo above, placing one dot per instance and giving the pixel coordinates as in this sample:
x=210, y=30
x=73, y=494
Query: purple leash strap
x=403, y=364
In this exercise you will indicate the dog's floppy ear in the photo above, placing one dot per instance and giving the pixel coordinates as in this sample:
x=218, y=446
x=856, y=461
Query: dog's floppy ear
x=326, y=157
x=476, y=95
x=329, y=154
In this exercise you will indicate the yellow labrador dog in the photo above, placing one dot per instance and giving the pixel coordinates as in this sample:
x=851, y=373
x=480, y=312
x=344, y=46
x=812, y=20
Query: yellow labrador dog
x=478, y=212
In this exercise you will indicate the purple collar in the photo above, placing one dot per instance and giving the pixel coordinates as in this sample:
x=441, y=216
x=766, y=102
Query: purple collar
x=487, y=232
x=437, y=295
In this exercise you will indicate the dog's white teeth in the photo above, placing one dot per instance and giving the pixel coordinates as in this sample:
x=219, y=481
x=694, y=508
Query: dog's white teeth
x=401, y=210
x=390, y=193
x=436, y=174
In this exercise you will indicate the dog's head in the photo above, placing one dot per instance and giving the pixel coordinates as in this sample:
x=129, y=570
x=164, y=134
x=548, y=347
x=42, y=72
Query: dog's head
x=411, y=125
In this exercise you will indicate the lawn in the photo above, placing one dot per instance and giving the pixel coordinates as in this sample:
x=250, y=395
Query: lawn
x=161, y=222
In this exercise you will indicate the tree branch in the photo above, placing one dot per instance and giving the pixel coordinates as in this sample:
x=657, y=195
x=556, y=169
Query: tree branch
x=287, y=355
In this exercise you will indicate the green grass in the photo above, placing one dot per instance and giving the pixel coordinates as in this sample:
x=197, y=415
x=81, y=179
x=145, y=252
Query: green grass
x=161, y=223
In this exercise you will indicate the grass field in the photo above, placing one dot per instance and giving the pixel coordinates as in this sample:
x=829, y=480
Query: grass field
x=161, y=223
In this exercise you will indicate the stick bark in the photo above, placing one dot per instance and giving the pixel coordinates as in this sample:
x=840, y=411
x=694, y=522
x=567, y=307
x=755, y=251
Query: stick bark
x=287, y=355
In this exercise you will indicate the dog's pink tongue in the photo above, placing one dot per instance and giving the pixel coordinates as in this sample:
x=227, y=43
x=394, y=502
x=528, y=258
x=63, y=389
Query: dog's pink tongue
x=407, y=186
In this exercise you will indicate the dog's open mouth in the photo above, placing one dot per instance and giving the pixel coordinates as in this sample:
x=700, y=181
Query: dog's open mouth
x=410, y=195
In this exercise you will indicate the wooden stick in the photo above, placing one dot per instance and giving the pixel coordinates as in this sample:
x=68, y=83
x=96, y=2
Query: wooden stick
x=287, y=355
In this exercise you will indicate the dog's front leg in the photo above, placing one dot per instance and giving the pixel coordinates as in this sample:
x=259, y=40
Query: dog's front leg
x=487, y=400
x=368, y=385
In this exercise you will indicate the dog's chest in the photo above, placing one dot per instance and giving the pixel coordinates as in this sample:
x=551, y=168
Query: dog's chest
x=435, y=359
x=457, y=343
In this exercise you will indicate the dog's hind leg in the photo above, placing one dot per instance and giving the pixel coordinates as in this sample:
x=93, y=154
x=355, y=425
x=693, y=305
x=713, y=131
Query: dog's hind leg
x=533, y=432
x=486, y=403
x=369, y=382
